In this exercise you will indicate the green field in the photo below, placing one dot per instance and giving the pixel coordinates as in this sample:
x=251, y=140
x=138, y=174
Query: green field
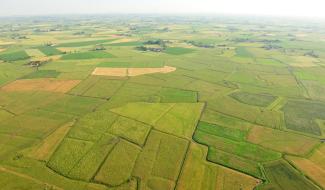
x=141, y=102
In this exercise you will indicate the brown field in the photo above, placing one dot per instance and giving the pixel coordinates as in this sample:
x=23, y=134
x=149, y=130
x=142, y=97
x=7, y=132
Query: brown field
x=281, y=141
x=2, y=50
x=310, y=169
x=123, y=72
x=51, y=85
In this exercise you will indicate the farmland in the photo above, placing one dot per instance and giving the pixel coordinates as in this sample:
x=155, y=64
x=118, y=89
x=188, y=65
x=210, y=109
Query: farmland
x=150, y=103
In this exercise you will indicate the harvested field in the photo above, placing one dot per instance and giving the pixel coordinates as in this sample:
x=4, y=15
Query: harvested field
x=50, y=85
x=123, y=72
x=143, y=71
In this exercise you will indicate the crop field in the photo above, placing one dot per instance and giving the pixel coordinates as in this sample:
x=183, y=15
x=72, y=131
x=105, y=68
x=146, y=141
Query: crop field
x=161, y=103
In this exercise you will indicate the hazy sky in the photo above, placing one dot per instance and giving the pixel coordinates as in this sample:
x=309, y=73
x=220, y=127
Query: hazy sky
x=304, y=8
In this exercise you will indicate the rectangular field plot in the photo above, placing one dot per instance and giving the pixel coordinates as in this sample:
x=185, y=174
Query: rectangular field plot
x=281, y=141
x=85, y=43
x=178, y=50
x=240, y=148
x=236, y=162
x=161, y=158
x=87, y=55
x=301, y=115
x=43, y=74
x=253, y=114
x=145, y=112
x=179, y=119
x=93, y=125
x=177, y=95
x=262, y=100
x=73, y=105
x=117, y=168
x=49, y=51
x=34, y=53
x=131, y=130
x=14, y=56
x=135, y=64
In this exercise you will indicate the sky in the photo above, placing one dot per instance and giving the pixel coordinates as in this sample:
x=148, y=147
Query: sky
x=301, y=8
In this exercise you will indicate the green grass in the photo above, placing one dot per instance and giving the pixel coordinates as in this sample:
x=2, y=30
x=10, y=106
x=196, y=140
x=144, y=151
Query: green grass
x=178, y=51
x=87, y=55
x=14, y=56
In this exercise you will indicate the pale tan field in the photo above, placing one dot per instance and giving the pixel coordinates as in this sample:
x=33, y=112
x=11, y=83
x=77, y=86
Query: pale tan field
x=51, y=85
x=2, y=50
x=116, y=72
x=6, y=43
x=123, y=40
x=123, y=72
x=303, y=61
x=143, y=71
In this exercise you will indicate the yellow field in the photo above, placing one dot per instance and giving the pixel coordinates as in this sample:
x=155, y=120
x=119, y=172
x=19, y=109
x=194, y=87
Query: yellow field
x=50, y=85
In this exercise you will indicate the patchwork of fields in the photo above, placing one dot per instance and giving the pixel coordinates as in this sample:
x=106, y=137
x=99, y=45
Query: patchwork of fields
x=151, y=104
